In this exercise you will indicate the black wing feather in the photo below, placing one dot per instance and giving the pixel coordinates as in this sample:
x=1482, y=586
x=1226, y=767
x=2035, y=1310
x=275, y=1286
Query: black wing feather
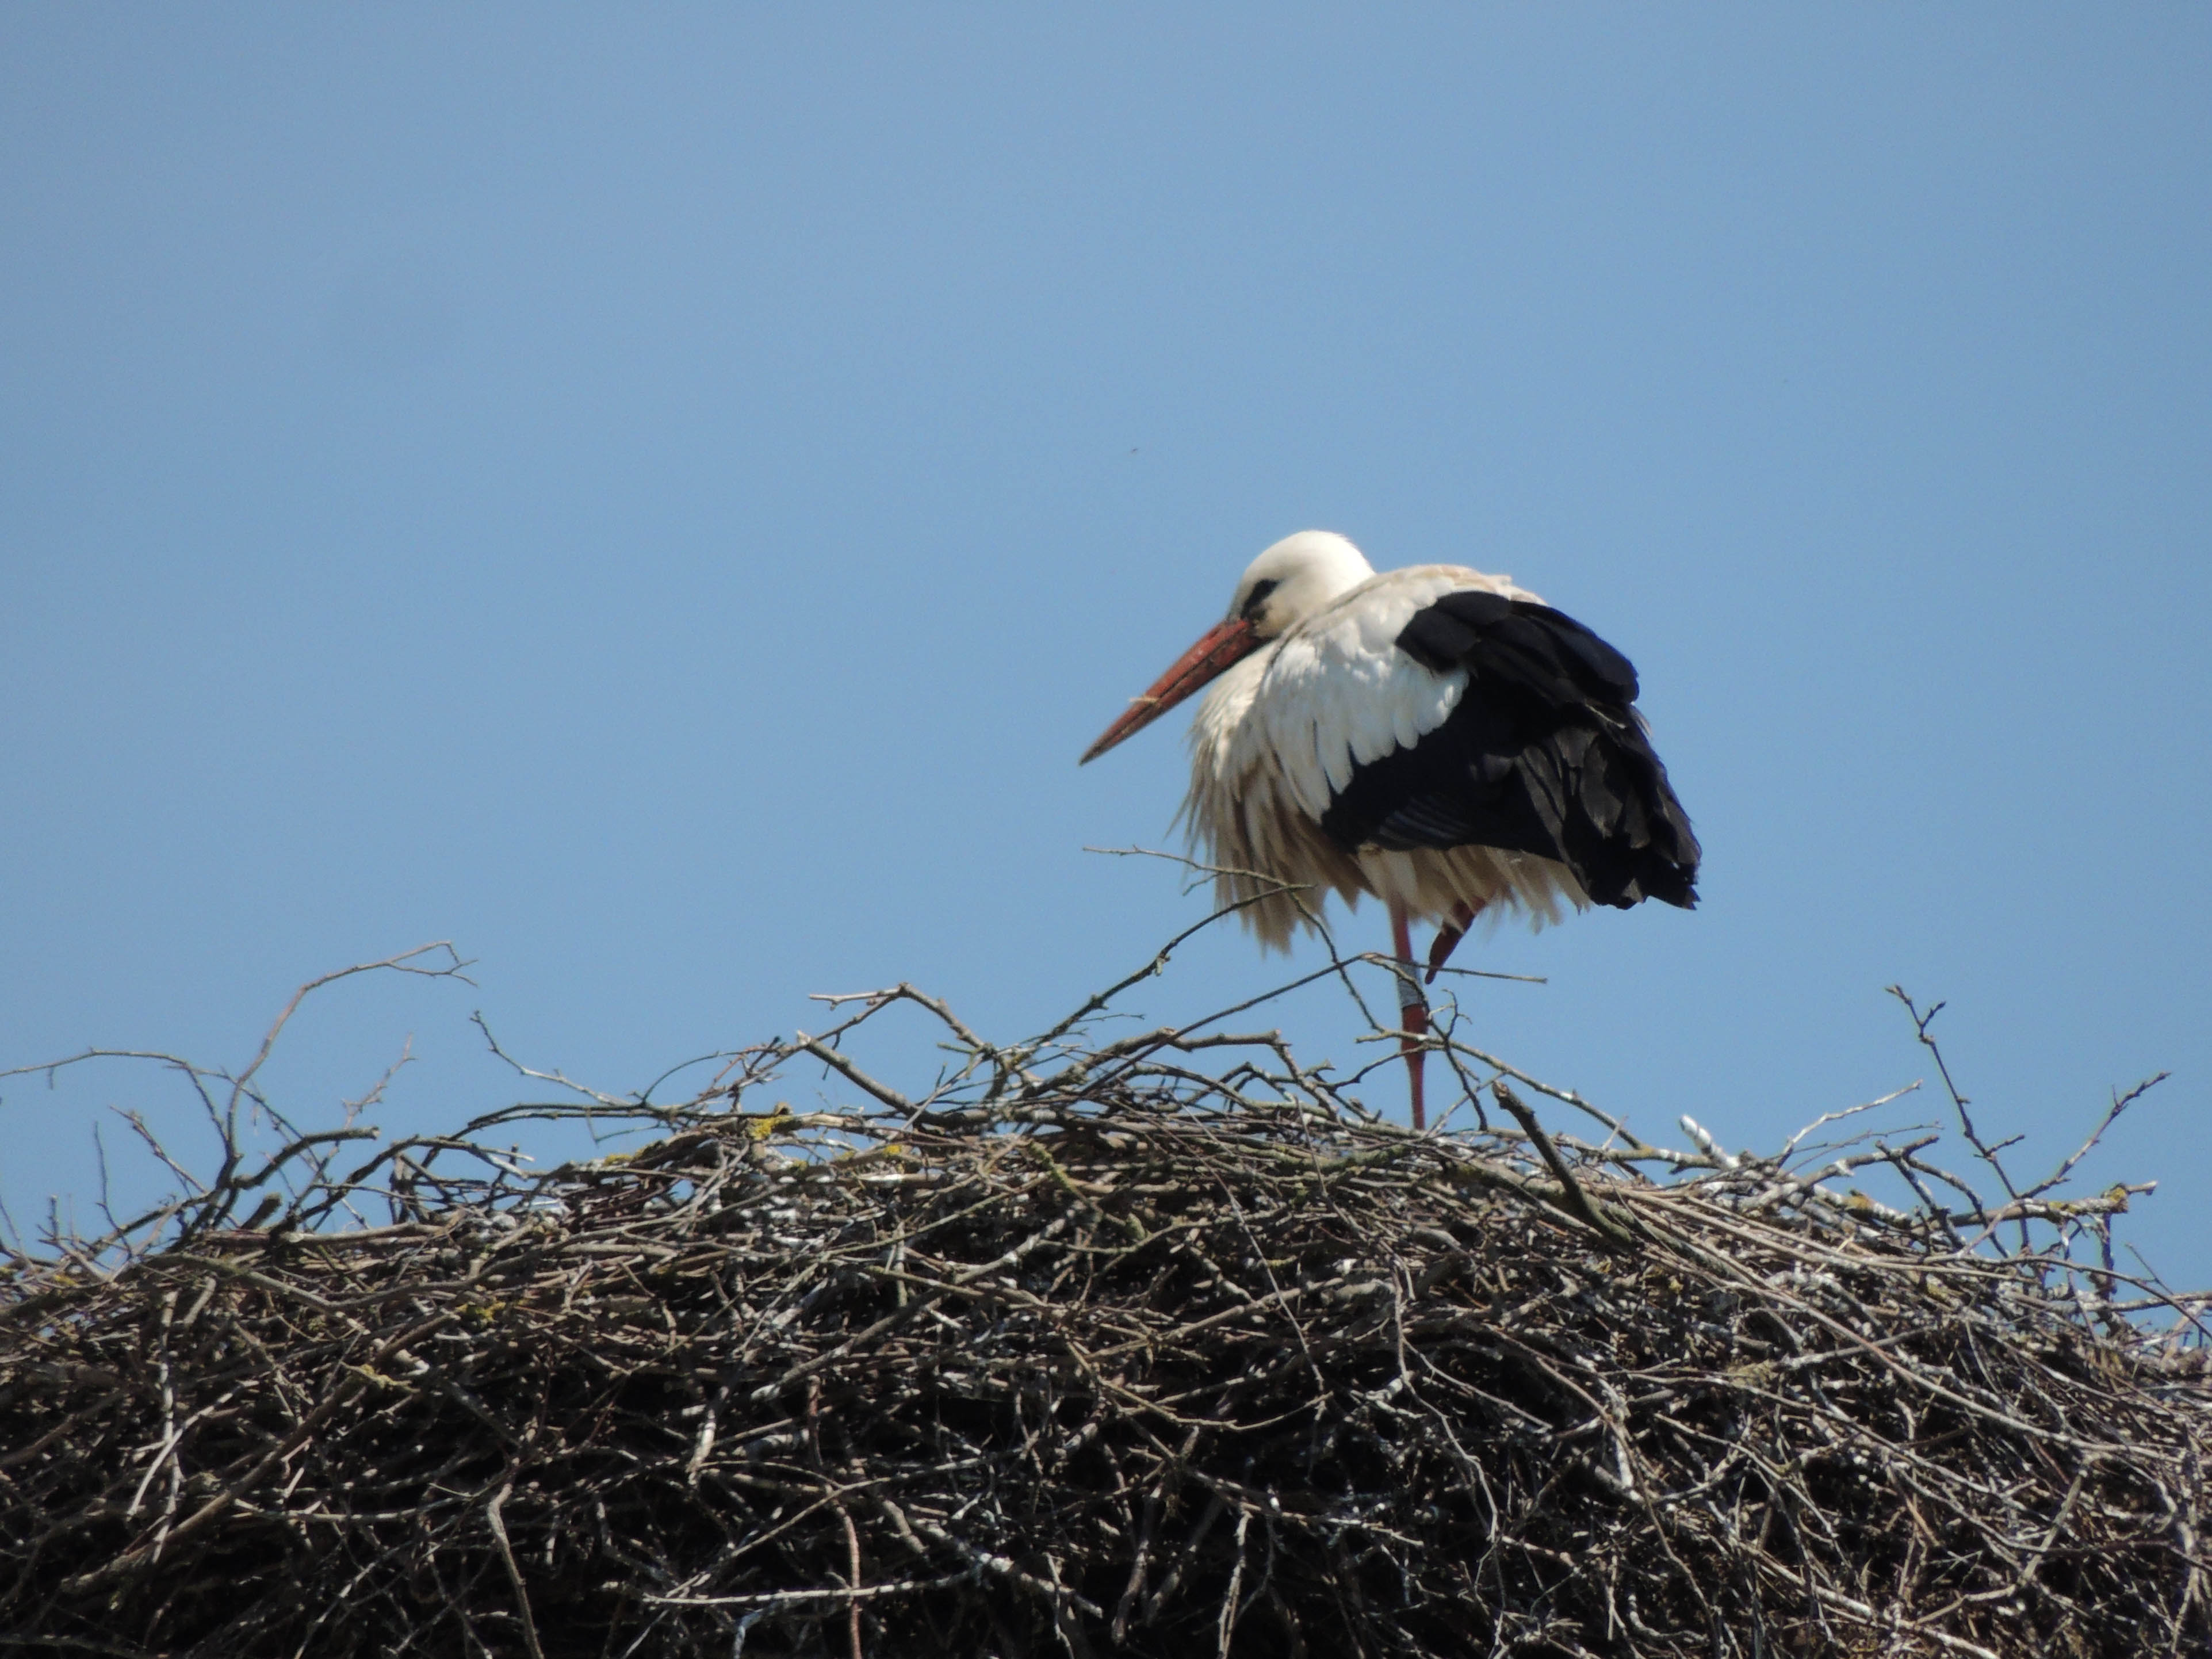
x=1543, y=754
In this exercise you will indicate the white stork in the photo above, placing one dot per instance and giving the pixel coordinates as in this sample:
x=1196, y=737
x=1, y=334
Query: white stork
x=1433, y=736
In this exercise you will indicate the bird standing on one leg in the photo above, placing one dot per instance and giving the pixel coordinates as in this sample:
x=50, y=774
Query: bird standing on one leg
x=1433, y=736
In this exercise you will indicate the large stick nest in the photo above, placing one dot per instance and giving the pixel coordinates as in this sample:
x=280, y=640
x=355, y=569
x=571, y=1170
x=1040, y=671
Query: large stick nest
x=1161, y=1346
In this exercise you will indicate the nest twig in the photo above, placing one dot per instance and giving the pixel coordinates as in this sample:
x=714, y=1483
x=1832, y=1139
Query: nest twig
x=1156, y=1346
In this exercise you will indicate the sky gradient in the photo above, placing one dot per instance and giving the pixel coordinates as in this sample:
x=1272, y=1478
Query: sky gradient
x=662, y=499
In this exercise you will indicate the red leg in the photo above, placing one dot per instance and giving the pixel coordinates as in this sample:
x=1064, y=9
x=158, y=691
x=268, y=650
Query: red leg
x=1413, y=1009
x=1449, y=936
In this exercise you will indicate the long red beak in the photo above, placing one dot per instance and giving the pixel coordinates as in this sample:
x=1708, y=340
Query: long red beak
x=1220, y=647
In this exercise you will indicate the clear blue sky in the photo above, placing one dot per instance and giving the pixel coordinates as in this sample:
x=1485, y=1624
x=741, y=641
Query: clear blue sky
x=661, y=497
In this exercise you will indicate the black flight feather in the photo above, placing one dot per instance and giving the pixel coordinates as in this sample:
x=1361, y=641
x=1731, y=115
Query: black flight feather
x=1543, y=754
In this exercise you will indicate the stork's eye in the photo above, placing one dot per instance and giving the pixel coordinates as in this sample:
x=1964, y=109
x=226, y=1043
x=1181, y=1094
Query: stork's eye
x=1257, y=598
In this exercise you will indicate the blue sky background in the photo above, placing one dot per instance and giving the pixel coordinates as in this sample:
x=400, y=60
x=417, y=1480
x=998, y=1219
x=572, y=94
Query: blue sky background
x=661, y=498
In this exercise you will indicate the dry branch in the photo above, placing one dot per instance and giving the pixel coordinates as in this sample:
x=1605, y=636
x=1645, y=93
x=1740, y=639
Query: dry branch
x=1093, y=1349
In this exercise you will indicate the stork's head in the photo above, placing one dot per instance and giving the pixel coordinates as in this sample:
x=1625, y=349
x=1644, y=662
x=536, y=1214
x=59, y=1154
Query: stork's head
x=1294, y=579
x=1279, y=589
